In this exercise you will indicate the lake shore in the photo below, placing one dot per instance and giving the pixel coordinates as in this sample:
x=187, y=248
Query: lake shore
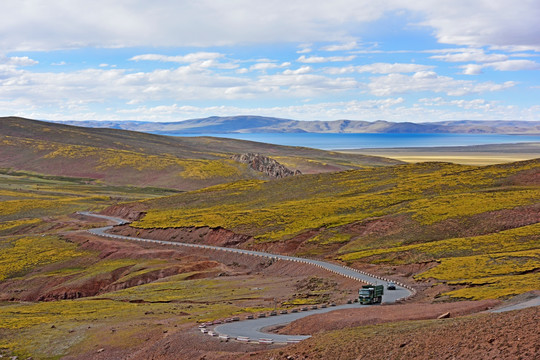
x=467, y=155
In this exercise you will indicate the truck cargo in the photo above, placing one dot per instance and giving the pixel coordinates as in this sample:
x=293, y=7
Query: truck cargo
x=370, y=294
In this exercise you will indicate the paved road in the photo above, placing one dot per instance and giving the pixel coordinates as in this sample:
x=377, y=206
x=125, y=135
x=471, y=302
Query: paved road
x=252, y=328
x=522, y=305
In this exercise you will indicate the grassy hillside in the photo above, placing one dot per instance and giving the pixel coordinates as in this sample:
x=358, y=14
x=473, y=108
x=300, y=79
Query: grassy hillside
x=131, y=158
x=63, y=291
x=66, y=293
x=479, y=223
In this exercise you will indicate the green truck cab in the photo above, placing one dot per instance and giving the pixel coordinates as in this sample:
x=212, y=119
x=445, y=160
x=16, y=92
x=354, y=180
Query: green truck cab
x=370, y=294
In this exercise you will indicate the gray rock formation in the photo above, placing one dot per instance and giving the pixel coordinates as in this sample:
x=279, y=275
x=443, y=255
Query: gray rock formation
x=266, y=165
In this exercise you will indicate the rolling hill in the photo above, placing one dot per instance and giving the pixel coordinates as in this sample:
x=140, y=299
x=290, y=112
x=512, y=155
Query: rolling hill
x=133, y=158
x=473, y=228
x=452, y=231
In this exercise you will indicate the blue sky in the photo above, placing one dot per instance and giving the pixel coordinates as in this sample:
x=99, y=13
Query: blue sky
x=166, y=60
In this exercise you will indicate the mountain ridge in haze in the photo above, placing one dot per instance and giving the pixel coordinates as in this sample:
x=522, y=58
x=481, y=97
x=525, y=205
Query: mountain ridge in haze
x=262, y=124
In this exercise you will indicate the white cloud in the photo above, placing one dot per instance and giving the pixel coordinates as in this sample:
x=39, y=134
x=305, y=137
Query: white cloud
x=472, y=69
x=322, y=59
x=385, y=68
x=184, y=83
x=504, y=24
x=264, y=66
x=380, y=68
x=304, y=49
x=17, y=61
x=475, y=104
x=509, y=24
x=102, y=23
x=471, y=55
x=367, y=109
x=507, y=65
x=189, y=58
x=430, y=81
x=515, y=65
x=341, y=47
x=300, y=83
x=392, y=109
x=341, y=70
x=300, y=70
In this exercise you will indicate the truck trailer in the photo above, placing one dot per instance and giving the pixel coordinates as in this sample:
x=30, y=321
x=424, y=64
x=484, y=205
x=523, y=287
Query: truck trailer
x=370, y=294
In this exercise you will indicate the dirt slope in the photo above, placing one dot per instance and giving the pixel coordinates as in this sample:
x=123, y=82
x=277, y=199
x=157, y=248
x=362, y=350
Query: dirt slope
x=512, y=335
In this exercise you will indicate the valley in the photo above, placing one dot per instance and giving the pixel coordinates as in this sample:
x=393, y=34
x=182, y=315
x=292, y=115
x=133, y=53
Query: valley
x=465, y=237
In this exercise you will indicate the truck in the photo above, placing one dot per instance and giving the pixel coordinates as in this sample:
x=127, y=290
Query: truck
x=370, y=294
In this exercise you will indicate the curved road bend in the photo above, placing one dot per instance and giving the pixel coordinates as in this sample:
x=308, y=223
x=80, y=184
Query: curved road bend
x=252, y=328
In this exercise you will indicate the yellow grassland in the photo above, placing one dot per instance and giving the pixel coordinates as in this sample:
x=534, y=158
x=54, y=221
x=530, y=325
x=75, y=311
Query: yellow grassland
x=273, y=211
x=518, y=239
x=428, y=193
x=31, y=251
x=58, y=204
x=495, y=287
x=330, y=237
x=106, y=159
x=429, y=211
x=480, y=266
x=8, y=225
x=10, y=194
x=25, y=326
x=490, y=266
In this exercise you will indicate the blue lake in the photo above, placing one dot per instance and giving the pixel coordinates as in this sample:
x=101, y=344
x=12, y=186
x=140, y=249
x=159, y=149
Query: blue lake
x=359, y=141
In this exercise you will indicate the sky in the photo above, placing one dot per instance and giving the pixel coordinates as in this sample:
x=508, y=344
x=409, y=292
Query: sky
x=172, y=60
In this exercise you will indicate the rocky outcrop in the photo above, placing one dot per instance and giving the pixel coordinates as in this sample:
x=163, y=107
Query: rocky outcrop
x=266, y=165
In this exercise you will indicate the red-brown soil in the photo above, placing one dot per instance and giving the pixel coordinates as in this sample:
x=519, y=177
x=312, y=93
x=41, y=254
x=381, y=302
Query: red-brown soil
x=342, y=319
x=400, y=340
x=46, y=288
x=208, y=263
x=200, y=235
x=511, y=335
x=130, y=211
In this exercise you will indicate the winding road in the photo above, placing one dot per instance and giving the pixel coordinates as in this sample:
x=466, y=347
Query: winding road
x=253, y=329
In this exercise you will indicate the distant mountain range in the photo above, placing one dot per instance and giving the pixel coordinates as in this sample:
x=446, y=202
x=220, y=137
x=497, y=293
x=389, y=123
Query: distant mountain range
x=260, y=124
